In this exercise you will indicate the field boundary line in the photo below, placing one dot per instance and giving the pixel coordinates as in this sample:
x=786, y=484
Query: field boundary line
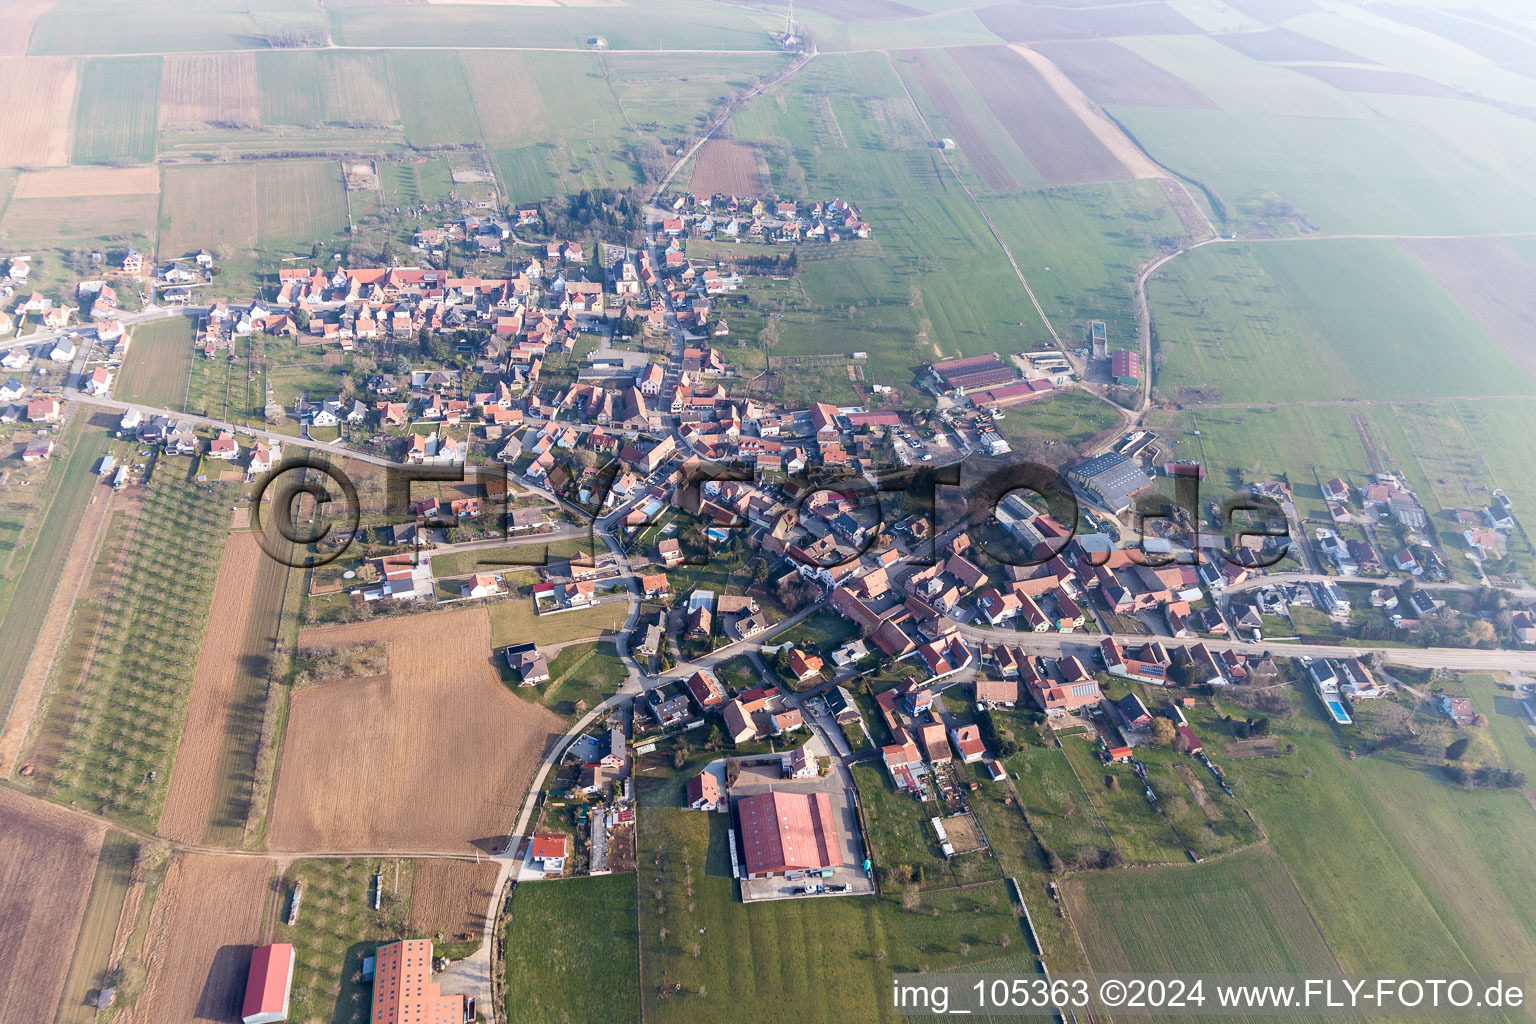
x=7, y=760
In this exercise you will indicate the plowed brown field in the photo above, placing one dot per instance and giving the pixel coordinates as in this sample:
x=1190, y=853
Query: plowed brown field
x=209, y=913
x=195, y=776
x=430, y=758
x=727, y=167
x=88, y=181
x=199, y=89
x=450, y=898
x=36, y=126
x=47, y=860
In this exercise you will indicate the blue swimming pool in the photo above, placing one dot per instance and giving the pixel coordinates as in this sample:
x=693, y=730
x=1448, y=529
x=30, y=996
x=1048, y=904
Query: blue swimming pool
x=1339, y=714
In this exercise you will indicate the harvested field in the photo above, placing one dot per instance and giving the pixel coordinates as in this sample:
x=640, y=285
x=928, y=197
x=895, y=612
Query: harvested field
x=211, y=780
x=1113, y=76
x=450, y=898
x=506, y=95
x=37, y=128
x=1380, y=80
x=1501, y=42
x=858, y=10
x=209, y=914
x=20, y=17
x=437, y=755
x=45, y=223
x=1021, y=23
x=1494, y=281
x=973, y=145
x=45, y=646
x=47, y=858
x=1066, y=137
x=245, y=206
x=199, y=90
x=729, y=167
x=88, y=181
x=1282, y=44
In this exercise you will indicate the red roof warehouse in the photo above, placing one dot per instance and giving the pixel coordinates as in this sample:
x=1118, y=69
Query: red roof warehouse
x=787, y=832
x=270, y=981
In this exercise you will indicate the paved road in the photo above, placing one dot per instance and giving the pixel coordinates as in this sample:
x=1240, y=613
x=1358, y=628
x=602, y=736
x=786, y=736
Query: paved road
x=1058, y=644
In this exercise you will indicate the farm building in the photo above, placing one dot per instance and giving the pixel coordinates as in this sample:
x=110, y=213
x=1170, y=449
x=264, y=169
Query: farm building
x=1125, y=367
x=1010, y=394
x=403, y=989
x=959, y=376
x=1112, y=479
x=787, y=832
x=269, y=984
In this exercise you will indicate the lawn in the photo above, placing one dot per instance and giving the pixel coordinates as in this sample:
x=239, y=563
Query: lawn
x=513, y=621
x=572, y=951
x=116, y=112
x=158, y=364
x=789, y=977
x=1141, y=835
x=581, y=676
x=825, y=629
x=1066, y=821
x=901, y=838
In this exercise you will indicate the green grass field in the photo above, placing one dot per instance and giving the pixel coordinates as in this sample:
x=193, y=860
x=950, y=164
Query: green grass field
x=437, y=108
x=1239, y=914
x=115, y=115
x=901, y=839
x=788, y=977
x=1318, y=320
x=513, y=621
x=1343, y=175
x=1361, y=882
x=86, y=26
x=572, y=952
x=581, y=676
x=45, y=562
x=245, y=207
x=158, y=363
x=311, y=88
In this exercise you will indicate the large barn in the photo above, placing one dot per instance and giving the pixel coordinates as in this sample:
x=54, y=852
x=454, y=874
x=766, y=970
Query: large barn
x=403, y=989
x=269, y=984
x=783, y=832
x=971, y=372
